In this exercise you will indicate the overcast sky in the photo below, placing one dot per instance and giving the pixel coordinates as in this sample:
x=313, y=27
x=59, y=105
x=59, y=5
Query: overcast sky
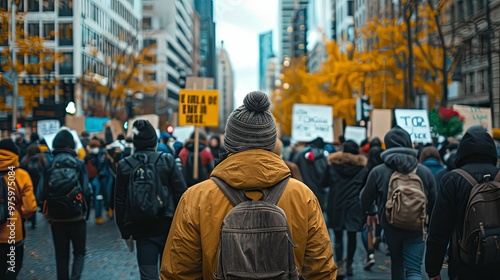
x=238, y=24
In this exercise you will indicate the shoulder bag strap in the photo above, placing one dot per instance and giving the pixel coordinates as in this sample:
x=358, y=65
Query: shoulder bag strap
x=233, y=195
x=467, y=176
x=274, y=193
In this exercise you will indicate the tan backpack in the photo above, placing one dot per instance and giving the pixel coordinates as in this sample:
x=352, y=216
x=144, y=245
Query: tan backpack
x=406, y=202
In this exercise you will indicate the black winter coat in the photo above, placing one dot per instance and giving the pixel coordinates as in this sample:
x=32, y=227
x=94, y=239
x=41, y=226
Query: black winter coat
x=345, y=176
x=312, y=170
x=170, y=177
x=403, y=160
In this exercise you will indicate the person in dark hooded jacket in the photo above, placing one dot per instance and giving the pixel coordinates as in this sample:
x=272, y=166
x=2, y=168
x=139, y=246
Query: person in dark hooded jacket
x=344, y=176
x=476, y=155
x=312, y=163
x=406, y=247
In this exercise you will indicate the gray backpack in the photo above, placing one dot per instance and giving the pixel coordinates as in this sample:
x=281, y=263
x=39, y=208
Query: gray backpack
x=255, y=241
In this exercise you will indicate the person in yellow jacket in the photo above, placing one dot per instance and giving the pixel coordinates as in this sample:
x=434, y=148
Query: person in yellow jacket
x=20, y=193
x=250, y=138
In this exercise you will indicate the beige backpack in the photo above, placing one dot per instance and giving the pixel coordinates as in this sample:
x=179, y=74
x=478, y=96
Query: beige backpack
x=406, y=202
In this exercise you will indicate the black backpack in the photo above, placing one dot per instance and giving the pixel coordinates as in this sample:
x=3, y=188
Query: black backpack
x=4, y=198
x=64, y=197
x=255, y=241
x=189, y=167
x=479, y=241
x=146, y=197
x=36, y=170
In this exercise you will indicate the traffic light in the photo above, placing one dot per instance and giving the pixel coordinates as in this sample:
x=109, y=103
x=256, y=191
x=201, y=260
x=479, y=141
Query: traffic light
x=19, y=126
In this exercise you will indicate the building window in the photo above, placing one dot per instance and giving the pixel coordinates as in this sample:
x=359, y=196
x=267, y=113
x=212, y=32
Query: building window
x=350, y=8
x=48, y=66
x=48, y=31
x=65, y=7
x=146, y=23
x=471, y=83
x=470, y=8
x=33, y=29
x=34, y=60
x=66, y=66
x=66, y=34
x=48, y=5
x=149, y=42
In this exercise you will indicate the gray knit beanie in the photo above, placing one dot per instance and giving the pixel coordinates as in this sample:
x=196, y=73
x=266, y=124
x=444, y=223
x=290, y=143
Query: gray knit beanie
x=251, y=126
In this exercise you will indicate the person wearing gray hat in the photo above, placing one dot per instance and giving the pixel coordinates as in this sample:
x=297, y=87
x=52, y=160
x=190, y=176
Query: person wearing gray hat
x=250, y=163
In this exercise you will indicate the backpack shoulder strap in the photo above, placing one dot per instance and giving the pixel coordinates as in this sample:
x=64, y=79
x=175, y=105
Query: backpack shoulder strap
x=233, y=195
x=273, y=194
x=467, y=176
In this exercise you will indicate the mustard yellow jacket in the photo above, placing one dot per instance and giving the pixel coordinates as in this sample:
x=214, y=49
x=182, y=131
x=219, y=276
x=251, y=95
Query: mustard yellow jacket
x=23, y=198
x=191, y=249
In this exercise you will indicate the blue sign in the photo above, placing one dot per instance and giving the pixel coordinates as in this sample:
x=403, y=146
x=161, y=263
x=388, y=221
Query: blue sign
x=95, y=124
x=265, y=52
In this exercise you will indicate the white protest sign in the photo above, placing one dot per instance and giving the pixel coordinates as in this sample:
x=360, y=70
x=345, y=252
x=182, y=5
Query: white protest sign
x=312, y=121
x=49, y=138
x=475, y=116
x=355, y=133
x=416, y=123
x=44, y=127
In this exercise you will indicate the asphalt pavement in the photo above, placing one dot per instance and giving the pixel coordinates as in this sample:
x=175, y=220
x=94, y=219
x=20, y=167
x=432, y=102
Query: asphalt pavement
x=108, y=258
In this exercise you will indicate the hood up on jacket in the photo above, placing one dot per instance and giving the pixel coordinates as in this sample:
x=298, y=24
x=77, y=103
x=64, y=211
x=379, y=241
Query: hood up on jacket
x=251, y=169
x=347, y=164
x=476, y=147
x=399, y=155
x=7, y=159
x=189, y=145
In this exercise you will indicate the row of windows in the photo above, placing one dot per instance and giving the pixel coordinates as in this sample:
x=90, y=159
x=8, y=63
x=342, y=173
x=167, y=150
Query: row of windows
x=46, y=29
x=64, y=7
x=103, y=44
x=92, y=65
x=475, y=82
x=124, y=13
x=466, y=9
x=65, y=63
x=106, y=23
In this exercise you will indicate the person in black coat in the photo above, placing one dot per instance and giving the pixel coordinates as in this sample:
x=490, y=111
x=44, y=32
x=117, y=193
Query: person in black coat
x=476, y=155
x=150, y=235
x=406, y=247
x=345, y=175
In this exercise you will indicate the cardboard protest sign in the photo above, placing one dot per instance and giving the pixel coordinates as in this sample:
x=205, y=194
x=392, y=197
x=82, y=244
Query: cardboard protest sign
x=380, y=123
x=416, y=123
x=355, y=133
x=312, y=121
x=199, y=108
x=152, y=118
x=45, y=127
x=475, y=116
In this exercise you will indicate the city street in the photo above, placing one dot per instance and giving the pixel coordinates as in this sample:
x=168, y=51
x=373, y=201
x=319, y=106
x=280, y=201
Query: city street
x=108, y=257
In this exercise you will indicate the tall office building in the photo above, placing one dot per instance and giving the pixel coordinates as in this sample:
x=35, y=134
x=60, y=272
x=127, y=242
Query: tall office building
x=76, y=30
x=205, y=10
x=320, y=28
x=225, y=85
x=265, y=52
x=287, y=11
x=168, y=24
x=345, y=23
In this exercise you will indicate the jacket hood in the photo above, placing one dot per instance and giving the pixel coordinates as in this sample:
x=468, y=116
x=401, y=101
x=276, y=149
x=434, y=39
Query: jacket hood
x=403, y=160
x=252, y=168
x=476, y=147
x=397, y=137
x=7, y=159
x=347, y=165
x=190, y=145
x=346, y=158
x=432, y=162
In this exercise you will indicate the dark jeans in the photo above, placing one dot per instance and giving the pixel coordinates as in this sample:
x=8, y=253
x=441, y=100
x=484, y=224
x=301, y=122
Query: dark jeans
x=339, y=245
x=62, y=234
x=149, y=256
x=11, y=261
x=407, y=253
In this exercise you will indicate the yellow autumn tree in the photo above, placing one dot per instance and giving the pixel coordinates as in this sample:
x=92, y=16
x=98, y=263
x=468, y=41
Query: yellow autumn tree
x=127, y=74
x=32, y=59
x=380, y=71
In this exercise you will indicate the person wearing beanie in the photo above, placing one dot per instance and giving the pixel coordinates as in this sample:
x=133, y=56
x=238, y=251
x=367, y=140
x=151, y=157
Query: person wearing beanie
x=150, y=233
x=406, y=246
x=476, y=155
x=73, y=229
x=250, y=139
x=25, y=207
x=344, y=177
x=205, y=159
